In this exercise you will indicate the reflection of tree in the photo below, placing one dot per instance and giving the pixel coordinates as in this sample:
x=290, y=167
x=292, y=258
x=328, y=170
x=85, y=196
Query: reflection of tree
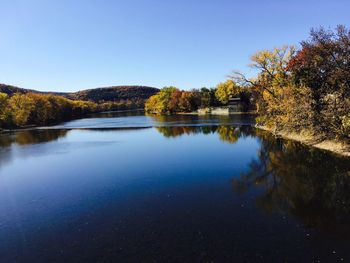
x=115, y=114
x=189, y=119
x=39, y=136
x=175, y=131
x=31, y=137
x=166, y=119
x=25, y=138
x=229, y=134
x=307, y=183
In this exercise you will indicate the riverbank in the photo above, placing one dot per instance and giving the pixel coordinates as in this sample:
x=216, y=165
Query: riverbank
x=336, y=147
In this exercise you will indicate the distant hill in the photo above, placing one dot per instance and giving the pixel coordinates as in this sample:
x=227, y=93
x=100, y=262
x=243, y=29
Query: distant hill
x=114, y=93
x=10, y=90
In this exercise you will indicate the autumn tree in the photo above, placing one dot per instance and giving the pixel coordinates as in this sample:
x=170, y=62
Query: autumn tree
x=187, y=101
x=21, y=107
x=207, y=97
x=323, y=65
x=226, y=90
x=171, y=100
x=270, y=85
x=42, y=111
x=174, y=101
x=4, y=110
x=160, y=102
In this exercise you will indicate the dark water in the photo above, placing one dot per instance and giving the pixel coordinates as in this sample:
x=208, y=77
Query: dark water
x=188, y=189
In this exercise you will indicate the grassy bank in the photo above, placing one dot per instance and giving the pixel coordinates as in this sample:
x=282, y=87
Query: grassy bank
x=340, y=148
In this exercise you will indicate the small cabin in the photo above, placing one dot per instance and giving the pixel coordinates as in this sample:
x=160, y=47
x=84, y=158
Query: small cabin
x=234, y=104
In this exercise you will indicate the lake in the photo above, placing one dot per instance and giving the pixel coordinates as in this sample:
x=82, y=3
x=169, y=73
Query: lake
x=124, y=187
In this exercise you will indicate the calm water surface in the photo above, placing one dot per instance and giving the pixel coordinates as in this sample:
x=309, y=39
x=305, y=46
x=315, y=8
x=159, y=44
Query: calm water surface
x=134, y=188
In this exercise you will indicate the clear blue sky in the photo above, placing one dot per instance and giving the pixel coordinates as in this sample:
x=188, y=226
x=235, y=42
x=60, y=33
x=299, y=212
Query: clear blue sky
x=69, y=45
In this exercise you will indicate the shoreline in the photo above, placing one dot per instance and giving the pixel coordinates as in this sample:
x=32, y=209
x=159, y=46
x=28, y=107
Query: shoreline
x=336, y=147
x=38, y=127
x=213, y=114
x=333, y=146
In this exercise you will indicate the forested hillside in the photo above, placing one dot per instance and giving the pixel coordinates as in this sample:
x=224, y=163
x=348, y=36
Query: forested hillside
x=114, y=93
x=107, y=94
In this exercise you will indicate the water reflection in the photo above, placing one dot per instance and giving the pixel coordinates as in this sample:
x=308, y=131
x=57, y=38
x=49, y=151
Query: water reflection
x=24, y=138
x=88, y=197
x=31, y=137
x=181, y=118
x=188, y=119
x=226, y=133
x=116, y=114
x=176, y=131
x=292, y=179
x=309, y=184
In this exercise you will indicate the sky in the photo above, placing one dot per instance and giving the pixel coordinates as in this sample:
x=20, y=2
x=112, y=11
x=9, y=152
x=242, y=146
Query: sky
x=66, y=45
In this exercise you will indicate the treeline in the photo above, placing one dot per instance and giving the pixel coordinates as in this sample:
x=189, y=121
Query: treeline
x=118, y=94
x=26, y=109
x=172, y=100
x=305, y=89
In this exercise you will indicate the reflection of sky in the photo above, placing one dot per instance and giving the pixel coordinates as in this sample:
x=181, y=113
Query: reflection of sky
x=129, y=186
x=78, y=169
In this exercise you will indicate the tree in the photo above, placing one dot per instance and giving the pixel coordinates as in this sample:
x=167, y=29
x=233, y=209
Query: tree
x=4, y=112
x=160, y=102
x=322, y=64
x=187, y=101
x=271, y=66
x=171, y=100
x=21, y=107
x=205, y=97
x=270, y=85
x=150, y=105
x=174, y=101
x=42, y=111
x=225, y=90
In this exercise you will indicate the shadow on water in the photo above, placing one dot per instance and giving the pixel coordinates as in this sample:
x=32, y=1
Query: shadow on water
x=308, y=184
x=116, y=114
x=31, y=137
x=291, y=178
x=23, y=138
